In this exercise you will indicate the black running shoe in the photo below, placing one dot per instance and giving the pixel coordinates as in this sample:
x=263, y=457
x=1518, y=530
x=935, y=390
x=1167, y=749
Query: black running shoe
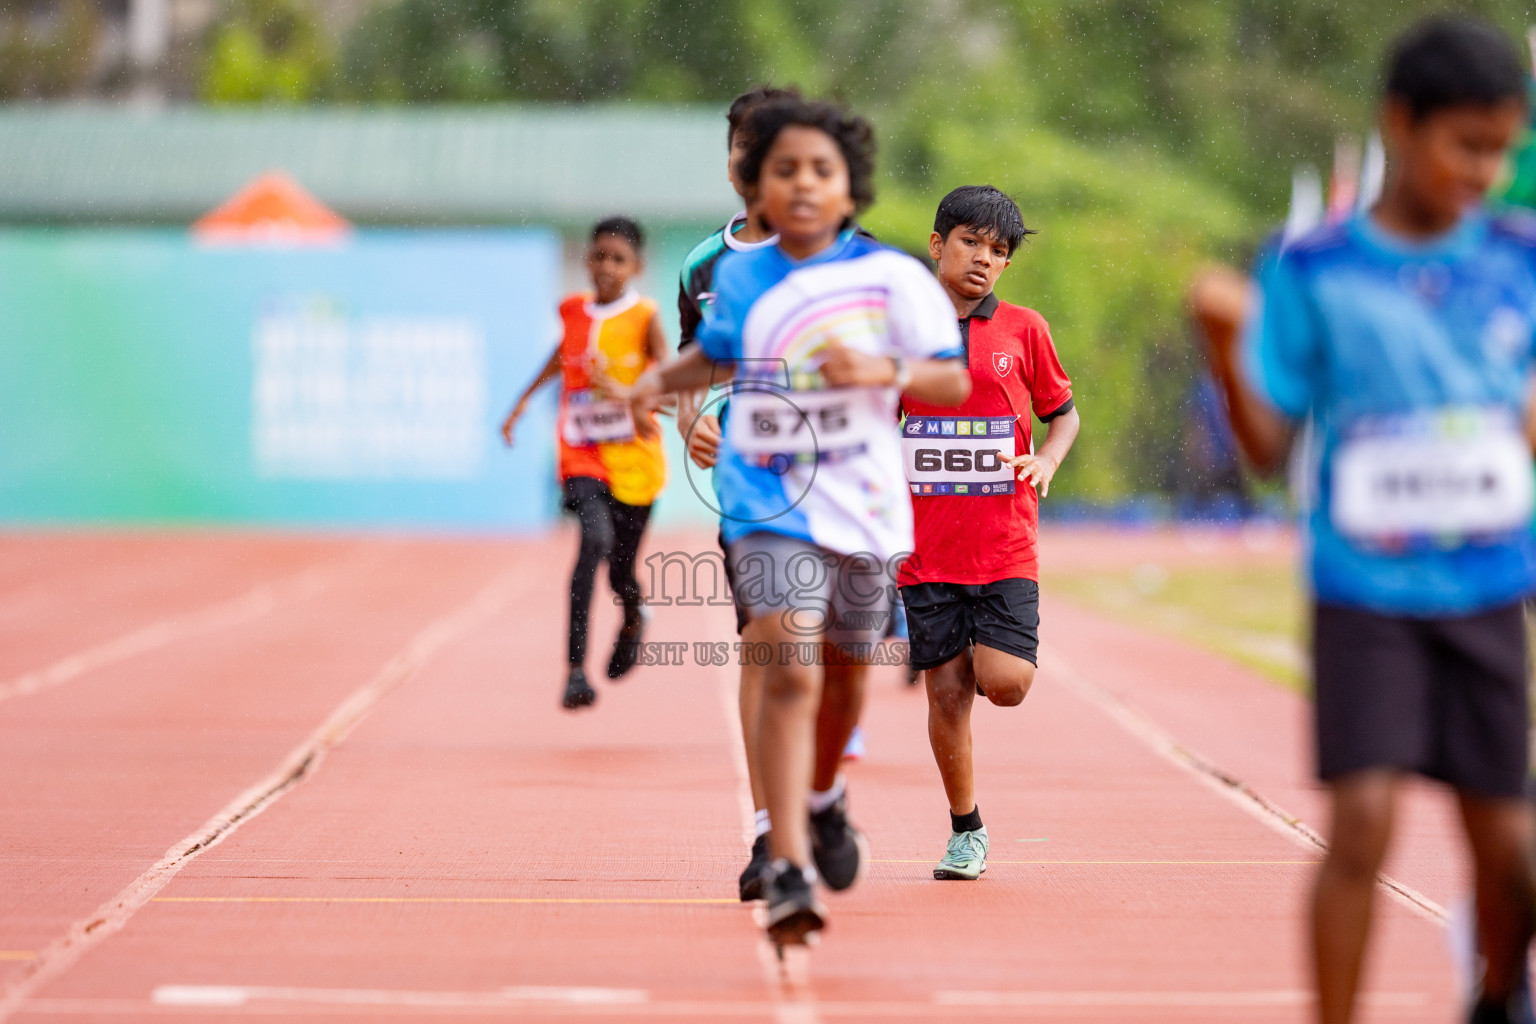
x=840, y=850
x=1516, y=1009
x=626, y=649
x=795, y=915
x=755, y=878
x=578, y=694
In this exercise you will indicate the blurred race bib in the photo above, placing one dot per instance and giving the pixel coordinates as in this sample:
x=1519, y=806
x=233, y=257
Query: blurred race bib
x=802, y=425
x=958, y=455
x=1439, y=474
x=590, y=420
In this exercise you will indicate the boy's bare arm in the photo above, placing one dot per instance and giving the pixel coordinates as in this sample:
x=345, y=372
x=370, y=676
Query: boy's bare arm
x=688, y=405
x=550, y=372
x=936, y=381
x=701, y=431
x=657, y=351
x=656, y=341
x=1530, y=416
x=691, y=371
x=944, y=382
x=1219, y=301
x=1040, y=468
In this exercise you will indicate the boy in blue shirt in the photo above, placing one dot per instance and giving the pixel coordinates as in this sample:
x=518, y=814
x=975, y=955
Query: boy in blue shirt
x=699, y=426
x=819, y=334
x=1404, y=335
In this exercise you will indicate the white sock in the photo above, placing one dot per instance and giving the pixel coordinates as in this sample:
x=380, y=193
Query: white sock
x=780, y=864
x=761, y=825
x=820, y=800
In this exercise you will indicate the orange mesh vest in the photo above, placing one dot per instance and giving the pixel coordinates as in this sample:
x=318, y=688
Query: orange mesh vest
x=612, y=340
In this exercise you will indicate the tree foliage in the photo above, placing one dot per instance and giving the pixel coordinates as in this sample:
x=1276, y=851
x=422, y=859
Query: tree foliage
x=46, y=55
x=1141, y=136
x=267, y=51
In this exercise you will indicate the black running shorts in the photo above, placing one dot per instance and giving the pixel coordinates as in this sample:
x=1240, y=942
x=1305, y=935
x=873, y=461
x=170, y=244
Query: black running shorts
x=1444, y=697
x=743, y=616
x=942, y=618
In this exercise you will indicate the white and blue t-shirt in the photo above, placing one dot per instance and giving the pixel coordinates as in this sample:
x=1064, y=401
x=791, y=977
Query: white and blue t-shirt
x=1414, y=363
x=798, y=458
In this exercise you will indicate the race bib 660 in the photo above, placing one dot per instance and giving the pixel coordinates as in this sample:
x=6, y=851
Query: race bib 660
x=1439, y=474
x=963, y=455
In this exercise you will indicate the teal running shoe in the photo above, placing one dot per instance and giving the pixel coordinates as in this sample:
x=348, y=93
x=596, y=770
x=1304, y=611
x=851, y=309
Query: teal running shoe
x=966, y=857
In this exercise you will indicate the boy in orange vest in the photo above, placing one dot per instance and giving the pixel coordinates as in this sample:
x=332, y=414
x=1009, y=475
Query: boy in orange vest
x=611, y=464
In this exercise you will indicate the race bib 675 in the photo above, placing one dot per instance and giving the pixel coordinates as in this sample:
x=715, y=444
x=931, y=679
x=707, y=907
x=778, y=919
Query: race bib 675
x=801, y=426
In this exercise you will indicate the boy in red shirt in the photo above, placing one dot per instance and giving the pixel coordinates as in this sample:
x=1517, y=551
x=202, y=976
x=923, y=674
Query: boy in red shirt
x=970, y=587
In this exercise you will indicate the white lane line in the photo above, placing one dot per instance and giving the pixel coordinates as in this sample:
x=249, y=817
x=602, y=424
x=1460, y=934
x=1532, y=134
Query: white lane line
x=303, y=762
x=236, y=995
x=253, y=604
x=788, y=979
x=730, y=704
x=1229, y=785
x=1277, y=997
x=589, y=1003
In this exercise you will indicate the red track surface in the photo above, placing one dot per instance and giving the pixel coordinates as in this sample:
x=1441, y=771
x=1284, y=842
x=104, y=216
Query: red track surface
x=406, y=825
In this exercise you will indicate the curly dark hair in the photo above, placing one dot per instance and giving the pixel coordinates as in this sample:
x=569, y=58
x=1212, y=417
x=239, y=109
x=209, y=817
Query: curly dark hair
x=854, y=137
x=754, y=97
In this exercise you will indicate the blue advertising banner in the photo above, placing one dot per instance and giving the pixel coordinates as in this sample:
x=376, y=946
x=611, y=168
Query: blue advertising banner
x=146, y=378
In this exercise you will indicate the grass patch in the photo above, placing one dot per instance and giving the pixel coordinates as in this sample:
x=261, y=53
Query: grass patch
x=1254, y=614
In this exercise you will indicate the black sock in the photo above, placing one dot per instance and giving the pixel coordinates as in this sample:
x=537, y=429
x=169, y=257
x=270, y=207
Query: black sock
x=965, y=822
x=1498, y=1011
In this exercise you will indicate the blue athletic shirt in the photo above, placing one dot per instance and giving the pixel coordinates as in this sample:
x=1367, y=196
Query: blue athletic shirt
x=1413, y=362
x=819, y=464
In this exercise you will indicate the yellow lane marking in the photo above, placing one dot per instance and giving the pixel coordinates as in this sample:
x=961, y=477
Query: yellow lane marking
x=1104, y=862
x=618, y=900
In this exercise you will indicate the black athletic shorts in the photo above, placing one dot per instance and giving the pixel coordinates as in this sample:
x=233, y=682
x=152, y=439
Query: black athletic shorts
x=1444, y=697
x=742, y=615
x=943, y=617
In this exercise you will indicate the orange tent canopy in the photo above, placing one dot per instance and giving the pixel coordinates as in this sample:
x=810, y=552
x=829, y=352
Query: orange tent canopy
x=272, y=208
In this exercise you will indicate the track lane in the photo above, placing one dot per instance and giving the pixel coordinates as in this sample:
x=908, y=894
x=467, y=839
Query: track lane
x=470, y=784
x=104, y=774
x=1253, y=729
x=62, y=594
x=66, y=950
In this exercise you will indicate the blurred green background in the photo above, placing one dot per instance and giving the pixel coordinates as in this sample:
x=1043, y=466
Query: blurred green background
x=1141, y=138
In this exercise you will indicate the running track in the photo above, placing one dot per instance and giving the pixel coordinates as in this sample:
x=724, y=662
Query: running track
x=257, y=776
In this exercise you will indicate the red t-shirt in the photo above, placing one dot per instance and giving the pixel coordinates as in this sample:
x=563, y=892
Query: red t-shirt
x=977, y=539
